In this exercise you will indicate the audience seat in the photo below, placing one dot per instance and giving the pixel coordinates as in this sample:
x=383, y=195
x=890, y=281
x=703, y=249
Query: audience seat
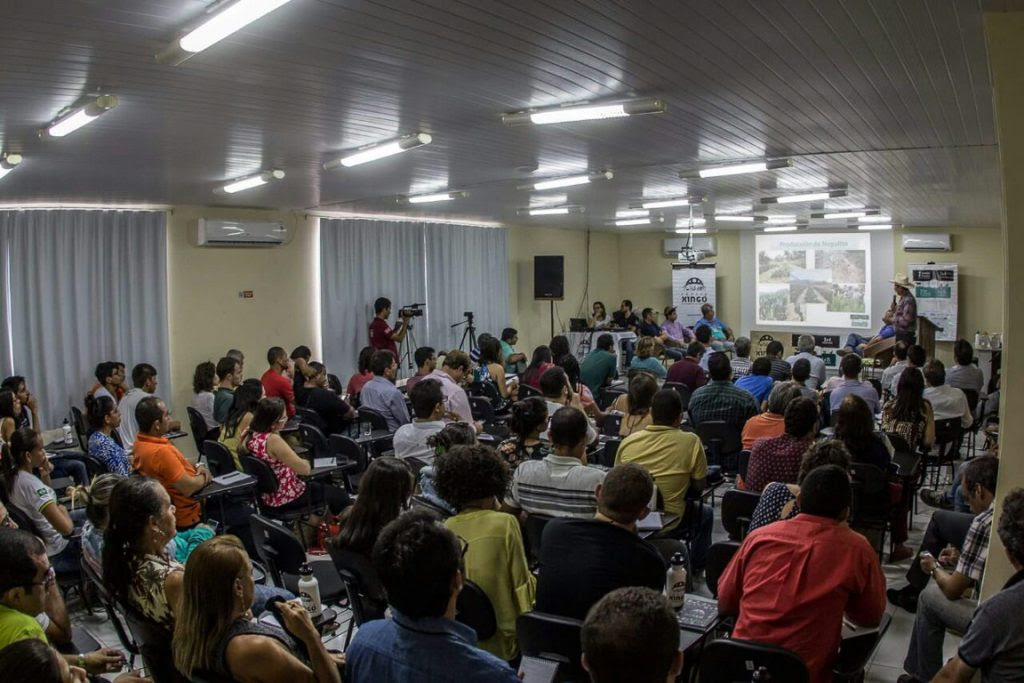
x=608, y=396
x=114, y=614
x=218, y=458
x=533, y=530
x=266, y=482
x=525, y=391
x=78, y=422
x=871, y=504
x=283, y=554
x=945, y=451
x=736, y=661
x=612, y=423
x=199, y=431
x=681, y=389
x=719, y=556
x=474, y=609
x=554, y=638
x=309, y=416
x=154, y=645
x=737, y=509
x=743, y=463
x=606, y=455
x=374, y=418
x=722, y=443
x=365, y=592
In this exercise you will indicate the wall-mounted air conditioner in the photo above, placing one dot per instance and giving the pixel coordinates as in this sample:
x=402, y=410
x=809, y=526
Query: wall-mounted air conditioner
x=926, y=242
x=703, y=247
x=221, y=232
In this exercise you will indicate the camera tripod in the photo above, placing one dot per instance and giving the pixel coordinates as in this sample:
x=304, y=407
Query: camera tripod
x=407, y=349
x=470, y=332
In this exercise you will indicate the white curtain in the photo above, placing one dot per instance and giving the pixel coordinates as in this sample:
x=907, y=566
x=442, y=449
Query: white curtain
x=450, y=268
x=81, y=287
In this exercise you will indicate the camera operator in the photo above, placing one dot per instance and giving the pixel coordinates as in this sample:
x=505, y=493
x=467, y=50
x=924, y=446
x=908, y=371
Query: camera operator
x=382, y=337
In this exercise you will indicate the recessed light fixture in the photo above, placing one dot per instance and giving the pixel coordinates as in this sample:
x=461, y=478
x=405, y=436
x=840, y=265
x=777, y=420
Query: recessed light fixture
x=435, y=197
x=632, y=213
x=255, y=180
x=858, y=213
x=379, y=150
x=226, y=19
x=650, y=220
x=780, y=228
x=875, y=226
x=585, y=112
x=570, y=181
x=74, y=119
x=875, y=219
x=737, y=169
x=805, y=197
x=8, y=163
x=548, y=200
x=668, y=203
x=781, y=220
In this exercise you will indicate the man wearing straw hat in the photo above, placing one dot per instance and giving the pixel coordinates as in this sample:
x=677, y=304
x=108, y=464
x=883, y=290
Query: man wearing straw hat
x=900, y=320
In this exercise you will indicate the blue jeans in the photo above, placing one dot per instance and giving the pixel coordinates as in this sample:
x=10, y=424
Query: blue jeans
x=69, y=560
x=855, y=340
x=935, y=614
x=70, y=467
x=628, y=348
x=674, y=353
x=954, y=496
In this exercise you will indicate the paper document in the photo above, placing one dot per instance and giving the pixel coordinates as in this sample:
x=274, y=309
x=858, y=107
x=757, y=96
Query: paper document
x=651, y=522
x=231, y=478
x=535, y=670
x=324, y=462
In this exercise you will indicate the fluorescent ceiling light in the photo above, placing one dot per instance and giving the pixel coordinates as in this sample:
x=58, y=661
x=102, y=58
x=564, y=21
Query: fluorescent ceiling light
x=691, y=231
x=640, y=221
x=739, y=169
x=8, y=163
x=255, y=180
x=876, y=226
x=781, y=220
x=631, y=213
x=224, y=22
x=570, y=181
x=548, y=200
x=805, y=197
x=554, y=211
x=80, y=116
x=586, y=112
x=379, y=151
x=780, y=228
x=666, y=203
x=876, y=219
x=436, y=197
x=731, y=218
x=842, y=214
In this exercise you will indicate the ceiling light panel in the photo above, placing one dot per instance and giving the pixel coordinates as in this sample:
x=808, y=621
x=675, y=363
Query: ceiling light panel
x=74, y=119
x=255, y=180
x=586, y=112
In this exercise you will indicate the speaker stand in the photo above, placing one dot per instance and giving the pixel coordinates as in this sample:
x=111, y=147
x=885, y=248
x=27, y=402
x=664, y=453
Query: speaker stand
x=552, y=303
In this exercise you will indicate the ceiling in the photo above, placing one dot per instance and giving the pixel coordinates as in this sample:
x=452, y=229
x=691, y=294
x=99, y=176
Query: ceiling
x=891, y=99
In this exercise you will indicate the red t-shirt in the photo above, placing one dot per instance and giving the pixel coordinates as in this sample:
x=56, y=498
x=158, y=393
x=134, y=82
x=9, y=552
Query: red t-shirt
x=687, y=371
x=793, y=580
x=278, y=386
x=380, y=336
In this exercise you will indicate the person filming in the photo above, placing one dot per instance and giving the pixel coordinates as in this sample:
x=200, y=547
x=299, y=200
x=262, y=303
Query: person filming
x=382, y=337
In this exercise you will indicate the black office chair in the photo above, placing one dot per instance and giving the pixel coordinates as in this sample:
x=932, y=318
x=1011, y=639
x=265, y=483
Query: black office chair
x=266, y=482
x=200, y=432
x=608, y=396
x=474, y=609
x=308, y=416
x=736, y=661
x=525, y=391
x=366, y=597
x=283, y=555
x=681, y=389
x=737, y=510
x=945, y=451
x=375, y=418
x=870, y=503
x=555, y=638
x=899, y=444
x=114, y=613
x=154, y=645
x=606, y=456
x=722, y=443
x=81, y=430
x=482, y=409
x=218, y=458
x=719, y=556
x=743, y=463
x=533, y=530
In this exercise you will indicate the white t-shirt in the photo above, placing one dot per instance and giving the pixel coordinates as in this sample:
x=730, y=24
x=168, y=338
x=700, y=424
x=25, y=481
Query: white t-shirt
x=592, y=432
x=31, y=496
x=410, y=441
x=129, y=427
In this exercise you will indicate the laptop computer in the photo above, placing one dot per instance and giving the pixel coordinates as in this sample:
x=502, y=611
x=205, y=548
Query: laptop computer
x=577, y=324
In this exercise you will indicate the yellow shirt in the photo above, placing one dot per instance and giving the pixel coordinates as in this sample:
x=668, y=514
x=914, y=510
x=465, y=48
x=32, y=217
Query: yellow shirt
x=496, y=561
x=15, y=626
x=673, y=458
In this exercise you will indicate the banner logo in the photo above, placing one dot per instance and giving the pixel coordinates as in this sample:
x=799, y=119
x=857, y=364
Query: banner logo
x=694, y=292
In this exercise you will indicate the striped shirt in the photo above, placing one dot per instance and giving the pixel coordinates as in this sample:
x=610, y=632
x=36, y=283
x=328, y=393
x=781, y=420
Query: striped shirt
x=557, y=485
x=722, y=400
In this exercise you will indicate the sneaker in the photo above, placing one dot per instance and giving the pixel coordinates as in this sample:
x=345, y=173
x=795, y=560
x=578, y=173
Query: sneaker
x=935, y=499
x=905, y=597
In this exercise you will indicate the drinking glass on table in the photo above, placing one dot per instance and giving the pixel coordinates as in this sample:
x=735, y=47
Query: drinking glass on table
x=366, y=428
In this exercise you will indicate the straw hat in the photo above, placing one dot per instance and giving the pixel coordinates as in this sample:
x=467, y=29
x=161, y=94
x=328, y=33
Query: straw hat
x=902, y=280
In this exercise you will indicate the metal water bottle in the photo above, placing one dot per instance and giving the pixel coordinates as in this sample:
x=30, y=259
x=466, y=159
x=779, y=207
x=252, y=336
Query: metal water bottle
x=675, y=581
x=309, y=591
x=69, y=436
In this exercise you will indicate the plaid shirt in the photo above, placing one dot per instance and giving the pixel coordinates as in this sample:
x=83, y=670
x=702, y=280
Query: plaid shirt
x=975, y=550
x=740, y=367
x=722, y=400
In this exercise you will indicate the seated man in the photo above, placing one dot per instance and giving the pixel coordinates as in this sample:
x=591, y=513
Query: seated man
x=801, y=371
x=335, y=413
x=514, y=361
x=426, y=363
x=805, y=349
x=791, y=582
x=916, y=359
x=703, y=335
x=741, y=358
x=781, y=370
x=381, y=394
x=851, y=383
x=940, y=605
x=277, y=380
x=721, y=335
x=410, y=440
x=899, y=361
x=144, y=380
x=771, y=422
x=607, y=545
x=758, y=382
x=561, y=484
x=964, y=374
x=558, y=393
x=600, y=366
x=419, y=563
x=632, y=635
x=720, y=399
x=994, y=641
x=689, y=371
x=947, y=402
x=678, y=336
x=677, y=462
x=229, y=378
x=451, y=374
x=649, y=327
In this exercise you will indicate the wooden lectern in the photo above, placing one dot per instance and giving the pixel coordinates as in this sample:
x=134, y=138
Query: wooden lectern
x=926, y=330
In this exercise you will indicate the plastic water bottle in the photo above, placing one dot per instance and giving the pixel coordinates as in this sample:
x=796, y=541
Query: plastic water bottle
x=675, y=581
x=309, y=591
x=69, y=436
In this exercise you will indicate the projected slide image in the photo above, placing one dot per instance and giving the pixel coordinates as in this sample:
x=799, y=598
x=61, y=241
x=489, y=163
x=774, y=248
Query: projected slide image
x=818, y=280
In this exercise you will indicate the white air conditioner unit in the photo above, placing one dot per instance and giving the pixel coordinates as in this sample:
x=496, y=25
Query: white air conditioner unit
x=703, y=247
x=220, y=232
x=926, y=242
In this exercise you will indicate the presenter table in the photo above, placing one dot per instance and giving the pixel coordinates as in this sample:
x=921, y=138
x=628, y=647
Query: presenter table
x=588, y=340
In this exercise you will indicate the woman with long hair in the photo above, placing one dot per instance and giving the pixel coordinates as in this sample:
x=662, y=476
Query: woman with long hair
x=215, y=633
x=909, y=414
x=384, y=492
x=599, y=316
x=559, y=346
x=204, y=381
x=571, y=366
x=635, y=404
x=529, y=418
x=103, y=418
x=33, y=495
x=540, y=362
x=363, y=373
x=490, y=359
x=247, y=397
x=10, y=408
x=454, y=434
x=264, y=442
x=97, y=511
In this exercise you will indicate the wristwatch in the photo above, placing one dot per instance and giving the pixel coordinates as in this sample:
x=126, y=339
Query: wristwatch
x=81, y=660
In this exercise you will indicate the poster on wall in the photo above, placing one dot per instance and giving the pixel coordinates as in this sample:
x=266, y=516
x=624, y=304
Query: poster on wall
x=935, y=288
x=819, y=280
x=693, y=285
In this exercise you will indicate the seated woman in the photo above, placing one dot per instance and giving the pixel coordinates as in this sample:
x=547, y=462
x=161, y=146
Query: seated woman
x=247, y=397
x=363, y=373
x=264, y=443
x=559, y=346
x=204, y=382
x=529, y=418
x=474, y=480
x=540, y=362
x=384, y=492
x=10, y=418
x=772, y=421
x=909, y=414
x=32, y=494
x=215, y=633
x=778, y=500
x=493, y=370
x=454, y=434
x=646, y=357
x=635, y=404
x=778, y=458
x=599, y=318
x=103, y=418
x=571, y=366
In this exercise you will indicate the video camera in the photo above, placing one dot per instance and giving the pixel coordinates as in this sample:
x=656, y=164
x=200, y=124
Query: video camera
x=411, y=311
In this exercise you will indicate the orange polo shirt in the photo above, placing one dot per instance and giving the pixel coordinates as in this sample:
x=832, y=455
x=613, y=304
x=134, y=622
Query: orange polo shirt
x=157, y=457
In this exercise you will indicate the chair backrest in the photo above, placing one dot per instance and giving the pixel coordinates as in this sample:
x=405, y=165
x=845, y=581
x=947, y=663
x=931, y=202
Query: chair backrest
x=309, y=416
x=743, y=463
x=218, y=458
x=947, y=431
x=606, y=456
x=533, y=531
x=825, y=407
x=612, y=423
x=737, y=509
x=113, y=612
x=720, y=439
x=719, y=556
x=474, y=609
x=365, y=592
x=341, y=445
x=198, y=426
x=734, y=661
x=373, y=417
x=277, y=546
x=81, y=430
x=481, y=408
x=266, y=480
x=870, y=502
x=899, y=444
x=555, y=638
x=525, y=391
x=681, y=389
x=154, y=644
x=314, y=440
x=605, y=398
x=972, y=399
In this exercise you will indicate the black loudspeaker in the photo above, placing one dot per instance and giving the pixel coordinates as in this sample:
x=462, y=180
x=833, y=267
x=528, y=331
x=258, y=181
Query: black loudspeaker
x=548, y=277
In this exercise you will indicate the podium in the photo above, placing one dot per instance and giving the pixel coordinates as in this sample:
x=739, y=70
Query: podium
x=926, y=330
